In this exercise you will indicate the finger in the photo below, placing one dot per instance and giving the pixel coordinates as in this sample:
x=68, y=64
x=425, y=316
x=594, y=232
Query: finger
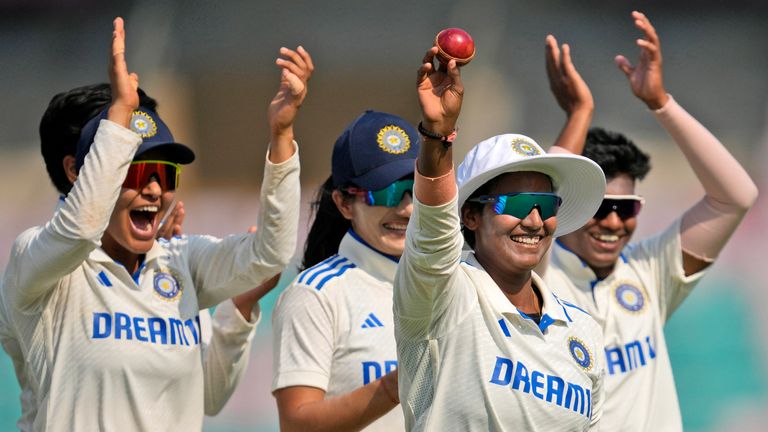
x=291, y=67
x=429, y=56
x=252, y=229
x=307, y=58
x=117, y=59
x=455, y=74
x=294, y=57
x=423, y=72
x=295, y=83
x=644, y=24
x=649, y=49
x=178, y=223
x=552, y=55
x=624, y=65
x=566, y=65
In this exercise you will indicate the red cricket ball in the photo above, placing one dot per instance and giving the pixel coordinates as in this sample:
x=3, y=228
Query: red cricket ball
x=455, y=43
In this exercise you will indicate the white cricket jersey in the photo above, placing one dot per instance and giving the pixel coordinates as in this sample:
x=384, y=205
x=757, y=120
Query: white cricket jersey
x=333, y=326
x=107, y=350
x=632, y=305
x=469, y=360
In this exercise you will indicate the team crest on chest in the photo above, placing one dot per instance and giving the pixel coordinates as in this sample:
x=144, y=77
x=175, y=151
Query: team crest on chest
x=630, y=297
x=524, y=147
x=167, y=285
x=393, y=139
x=580, y=353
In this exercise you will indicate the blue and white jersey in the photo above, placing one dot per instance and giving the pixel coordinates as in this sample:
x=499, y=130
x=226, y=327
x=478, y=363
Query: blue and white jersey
x=333, y=326
x=109, y=350
x=469, y=360
x=632, y=305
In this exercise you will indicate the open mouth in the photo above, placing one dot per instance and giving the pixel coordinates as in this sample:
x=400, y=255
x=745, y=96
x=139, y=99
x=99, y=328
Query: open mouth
x=143, y=220
x=606, y=238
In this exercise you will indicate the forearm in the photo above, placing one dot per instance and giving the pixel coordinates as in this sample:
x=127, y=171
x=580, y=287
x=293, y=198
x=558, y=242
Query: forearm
x=226, y=357
x=729, y=192
x=352, y=411
x=77, y=227
x=726, y=184
x=574, y=133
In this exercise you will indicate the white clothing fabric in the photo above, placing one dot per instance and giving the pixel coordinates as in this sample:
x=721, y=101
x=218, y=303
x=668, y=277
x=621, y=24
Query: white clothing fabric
x=106, y=350
x=469, y=360
x=333, y=326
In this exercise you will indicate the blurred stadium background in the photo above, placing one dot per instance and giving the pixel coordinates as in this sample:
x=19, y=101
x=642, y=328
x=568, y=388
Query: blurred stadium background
x=211, y=66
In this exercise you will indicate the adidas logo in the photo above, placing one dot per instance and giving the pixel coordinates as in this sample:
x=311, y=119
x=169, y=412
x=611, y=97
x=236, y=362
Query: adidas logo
x=372, y=322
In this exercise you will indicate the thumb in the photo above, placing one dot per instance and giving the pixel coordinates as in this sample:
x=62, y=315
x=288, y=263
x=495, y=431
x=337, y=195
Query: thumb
x=624, y=65
x=294, y=82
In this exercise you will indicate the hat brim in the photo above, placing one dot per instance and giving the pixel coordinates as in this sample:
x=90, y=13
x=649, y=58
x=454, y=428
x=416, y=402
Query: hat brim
x=172, y=152
x=577, y=180
x=384, y=175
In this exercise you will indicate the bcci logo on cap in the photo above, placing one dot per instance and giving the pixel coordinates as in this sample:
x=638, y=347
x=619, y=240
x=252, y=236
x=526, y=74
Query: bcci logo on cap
x=630, y=297
x=393, y=140
x=525, y=147
x=167, y=285
x=143, y=124
x=580, y=353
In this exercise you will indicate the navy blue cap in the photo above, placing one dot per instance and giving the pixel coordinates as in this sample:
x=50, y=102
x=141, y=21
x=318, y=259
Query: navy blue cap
x=153, y=131
x=374, y=151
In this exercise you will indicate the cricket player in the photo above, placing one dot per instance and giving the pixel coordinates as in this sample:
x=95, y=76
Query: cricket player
x=632, y=289
x=106, y=317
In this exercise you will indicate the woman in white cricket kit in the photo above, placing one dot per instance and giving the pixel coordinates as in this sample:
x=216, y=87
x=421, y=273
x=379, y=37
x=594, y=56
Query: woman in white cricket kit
x=482, y=341
x=335, y=357
x=632, y=289
x=106, y=316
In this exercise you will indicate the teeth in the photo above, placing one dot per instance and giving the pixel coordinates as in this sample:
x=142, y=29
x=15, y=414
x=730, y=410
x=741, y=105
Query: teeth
x=608, y=238
x=148, y=208
x=526, y=239
x=399, y=227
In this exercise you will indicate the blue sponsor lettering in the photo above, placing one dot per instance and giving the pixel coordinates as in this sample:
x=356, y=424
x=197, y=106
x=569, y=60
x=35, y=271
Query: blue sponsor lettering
x=138, y=325
x=630, y=356
x=102, y=325
x=550, y=388
x=373, y=370
x=155, y=330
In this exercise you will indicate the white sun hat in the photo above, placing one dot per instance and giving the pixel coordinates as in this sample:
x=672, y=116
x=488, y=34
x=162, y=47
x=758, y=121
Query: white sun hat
x=577, y=180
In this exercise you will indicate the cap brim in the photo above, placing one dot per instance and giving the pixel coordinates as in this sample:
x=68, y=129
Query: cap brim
x=577, y=180
x=384, y=175
x=172, y=152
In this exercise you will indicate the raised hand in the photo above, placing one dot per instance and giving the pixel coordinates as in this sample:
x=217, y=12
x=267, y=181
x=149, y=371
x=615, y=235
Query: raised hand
x=570, y=90
x=440, y=94
x=125, y=85
x=297, y=68
x=645, y=79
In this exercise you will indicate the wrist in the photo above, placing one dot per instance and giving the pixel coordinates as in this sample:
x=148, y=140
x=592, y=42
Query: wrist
x=429, y=134
x=657, y=102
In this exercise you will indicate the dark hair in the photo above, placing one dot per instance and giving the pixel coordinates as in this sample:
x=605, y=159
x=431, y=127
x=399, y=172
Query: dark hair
x=476, y=207
x=328, y=228
x=616, y=154
x=62, y=121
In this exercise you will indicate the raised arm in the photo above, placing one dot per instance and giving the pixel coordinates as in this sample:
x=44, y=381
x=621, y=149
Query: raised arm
x=573, y=96
x=41, y=256
x=729, y=191
x=226, y=268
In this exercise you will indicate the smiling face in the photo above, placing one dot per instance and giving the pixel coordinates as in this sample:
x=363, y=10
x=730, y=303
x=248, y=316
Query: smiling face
x=381, y=227
x=600, y=242
x=504, y=244
x=134, y=222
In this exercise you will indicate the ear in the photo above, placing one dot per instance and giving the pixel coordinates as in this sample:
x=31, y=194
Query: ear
x=343, y=204
x=470, y=218
x=68, y=163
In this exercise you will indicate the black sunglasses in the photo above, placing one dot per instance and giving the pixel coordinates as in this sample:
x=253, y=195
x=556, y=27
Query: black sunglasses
x=625, y=206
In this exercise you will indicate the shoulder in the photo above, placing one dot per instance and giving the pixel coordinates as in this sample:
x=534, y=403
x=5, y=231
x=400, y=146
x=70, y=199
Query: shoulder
x=326, y=274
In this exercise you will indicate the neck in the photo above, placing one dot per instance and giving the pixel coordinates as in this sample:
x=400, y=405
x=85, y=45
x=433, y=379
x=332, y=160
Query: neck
x=602, y=272
x=128, y=259
x=517, y=287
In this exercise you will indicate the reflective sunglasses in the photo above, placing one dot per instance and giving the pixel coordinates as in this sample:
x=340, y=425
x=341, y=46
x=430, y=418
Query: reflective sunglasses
x=520, y=204
x=390, y=196
x=141, y=173
x=625, y=206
